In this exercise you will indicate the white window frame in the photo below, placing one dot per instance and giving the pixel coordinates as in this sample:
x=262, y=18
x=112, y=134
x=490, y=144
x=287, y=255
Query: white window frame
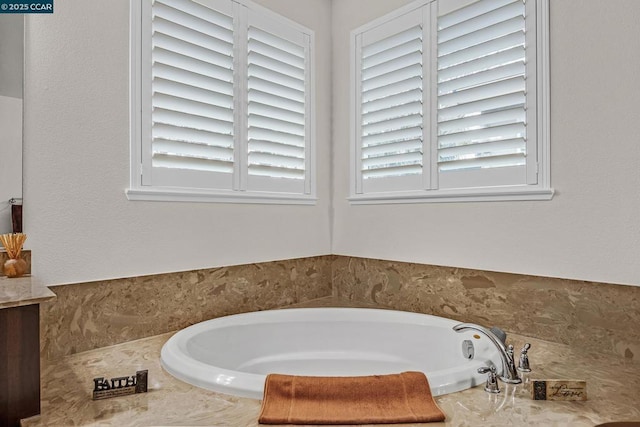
x=430, y=193
x=240, y=190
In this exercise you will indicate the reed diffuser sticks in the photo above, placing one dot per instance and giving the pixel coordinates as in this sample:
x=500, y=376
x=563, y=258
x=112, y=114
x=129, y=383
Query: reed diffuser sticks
x=13, y=244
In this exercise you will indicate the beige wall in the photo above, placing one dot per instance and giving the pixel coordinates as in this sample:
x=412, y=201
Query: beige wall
x=82, y=228
x=590, y=230
x=80, y=224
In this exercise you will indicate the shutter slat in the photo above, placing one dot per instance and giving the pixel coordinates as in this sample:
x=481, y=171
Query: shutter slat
x=192, y=163
x=276, y=113
x=281, y=91
x=398, y=99
x=506, y=132
x=276, y=172
x=196, y=38
x=195, y=23
x=410, y=71
x=199, y=11
x=482, y=106
x=411, y=46
x=196, y=108
x=382, y=127
x=392, y=112
x=415, y=169
x=478, y=23
x=212, y=94
x=392, y=42
x=392, y=136
x=482, y=77
x=275, y=148
x=392, y=89
x=506, y=160
x=296, y=83
x=503, y=87
x=478, y=51
x=174, y=66
x=265, y=98
x=501, y=29
x=483, y=63
x=195, y=136
x=182, y=47
x=189, y=121
x=390, y=66
x=480, y=151
x=180, y=148
x=393, y=161
x=283, y=126
x=271, y=51
x=286, y=47
x=468, y=124
x=256, y=133
x=276, y=161
x=413, y=145
x=275, y=65
x=468, y=12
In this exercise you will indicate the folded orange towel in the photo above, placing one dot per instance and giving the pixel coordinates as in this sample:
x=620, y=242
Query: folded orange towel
x=376, y=399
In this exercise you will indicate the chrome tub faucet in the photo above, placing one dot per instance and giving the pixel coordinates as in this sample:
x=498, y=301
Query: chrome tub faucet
x=509, y=374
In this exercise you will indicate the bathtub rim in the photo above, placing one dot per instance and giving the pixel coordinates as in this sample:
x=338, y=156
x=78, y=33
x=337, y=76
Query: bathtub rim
x=228, y=382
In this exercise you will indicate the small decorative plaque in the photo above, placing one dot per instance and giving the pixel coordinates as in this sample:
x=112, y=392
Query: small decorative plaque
x=559, y=390
x=120, y=386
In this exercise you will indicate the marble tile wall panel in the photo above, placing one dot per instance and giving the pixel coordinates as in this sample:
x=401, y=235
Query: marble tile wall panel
x=25, y=255
x=592, y=316
x=92, y=315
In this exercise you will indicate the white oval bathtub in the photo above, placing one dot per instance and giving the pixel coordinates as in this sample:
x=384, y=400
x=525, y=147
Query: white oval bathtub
x=234, y=354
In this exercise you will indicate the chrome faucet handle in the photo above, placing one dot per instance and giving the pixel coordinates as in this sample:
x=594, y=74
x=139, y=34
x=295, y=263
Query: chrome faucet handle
x=492, y=385
x=523, y=366
x=510, y=358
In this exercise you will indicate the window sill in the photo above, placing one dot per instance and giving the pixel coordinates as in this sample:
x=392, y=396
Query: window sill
x=504, y=194
x=173, y=195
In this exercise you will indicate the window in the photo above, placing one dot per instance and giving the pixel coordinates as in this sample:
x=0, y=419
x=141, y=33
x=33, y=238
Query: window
x=222, y=103
x=452, y=105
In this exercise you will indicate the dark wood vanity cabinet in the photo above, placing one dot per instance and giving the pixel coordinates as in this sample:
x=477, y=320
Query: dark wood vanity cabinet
x=20, y=349
x=19, y=364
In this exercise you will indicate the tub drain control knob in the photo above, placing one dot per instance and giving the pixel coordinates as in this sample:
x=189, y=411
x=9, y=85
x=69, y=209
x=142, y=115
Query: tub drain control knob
x=523, y=366
x=492, y=379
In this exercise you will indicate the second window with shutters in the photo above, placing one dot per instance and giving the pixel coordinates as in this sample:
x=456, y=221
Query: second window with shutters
x=225, y=94
x=451, y=103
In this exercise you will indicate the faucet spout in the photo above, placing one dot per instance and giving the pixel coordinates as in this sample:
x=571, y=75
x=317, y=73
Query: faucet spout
x=509, y=373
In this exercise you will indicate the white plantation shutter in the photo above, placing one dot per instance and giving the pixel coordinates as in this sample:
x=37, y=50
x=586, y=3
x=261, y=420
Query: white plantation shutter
x=390, y=98
x=222, y=103
x=192, y=89
x=482, y=96
x=451, y=102
x=278, y=117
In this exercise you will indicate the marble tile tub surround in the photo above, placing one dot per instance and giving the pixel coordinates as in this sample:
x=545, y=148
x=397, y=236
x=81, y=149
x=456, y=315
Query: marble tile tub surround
x=92, y=315
x=590, y=316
